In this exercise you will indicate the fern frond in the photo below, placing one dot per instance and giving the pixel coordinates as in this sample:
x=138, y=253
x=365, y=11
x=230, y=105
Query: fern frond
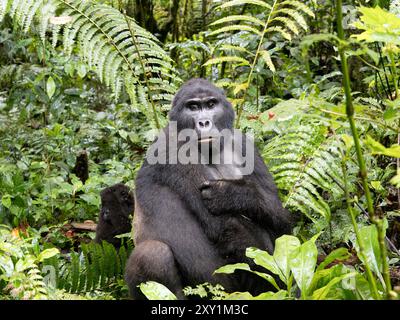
x=235, y=18
x=123, y=54
x=227, y=59
x=299, y=6
x=296, y=17
x=239, y=27
x=94, y=268
x=267, y=58
x=243, y=2
x=305, y=163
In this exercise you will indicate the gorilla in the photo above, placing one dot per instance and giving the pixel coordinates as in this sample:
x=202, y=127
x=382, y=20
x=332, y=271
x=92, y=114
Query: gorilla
x=192, y=218
x=117, y=204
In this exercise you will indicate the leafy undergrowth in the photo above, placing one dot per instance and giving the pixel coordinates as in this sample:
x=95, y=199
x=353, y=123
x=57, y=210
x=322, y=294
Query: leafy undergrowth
x=91, y=80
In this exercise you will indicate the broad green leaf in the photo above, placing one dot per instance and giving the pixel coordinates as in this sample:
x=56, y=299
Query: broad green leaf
x=362, y=288
x=396, y=179
x=378, y=148
x=337, y=254
x=91, y=198
x=50, y=87
x=391, y=114
x=323, y=276
x=263, y=259
x=379, y=25
x=156, y=291
x=303, y=262
x=284, y=247
x=321, y=293
x=280, y=295
x=230, y=268
x=369, y=238
x=123, y=134
x=48, y=253
x=6, y=201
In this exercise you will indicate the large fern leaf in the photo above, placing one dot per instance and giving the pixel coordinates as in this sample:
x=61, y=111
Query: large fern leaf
x=305, y=162
x=124, y=55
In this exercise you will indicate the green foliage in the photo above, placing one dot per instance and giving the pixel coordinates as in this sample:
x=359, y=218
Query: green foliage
x=156, y=291
x=285, y=18
x=121, y=53
x=378, y=25
x=81, y=75
x=294, y=261
x=20, y=260
x=304, y=160
x=96, y=267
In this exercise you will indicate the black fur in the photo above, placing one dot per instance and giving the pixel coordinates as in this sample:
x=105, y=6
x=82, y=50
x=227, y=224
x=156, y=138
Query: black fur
x=187, y=224
x=117, y=204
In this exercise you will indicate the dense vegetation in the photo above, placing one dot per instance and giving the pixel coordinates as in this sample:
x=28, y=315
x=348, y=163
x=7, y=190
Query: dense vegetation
x=316, y=82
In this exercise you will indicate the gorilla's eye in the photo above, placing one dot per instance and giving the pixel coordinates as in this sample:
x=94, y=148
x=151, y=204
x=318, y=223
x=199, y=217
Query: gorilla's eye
x=211, y=103
x=192, y=106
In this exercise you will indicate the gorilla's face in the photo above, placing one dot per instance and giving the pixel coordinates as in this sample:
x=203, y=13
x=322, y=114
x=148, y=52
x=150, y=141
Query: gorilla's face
x=201, y=106
x=116, y=200
x=117, y=203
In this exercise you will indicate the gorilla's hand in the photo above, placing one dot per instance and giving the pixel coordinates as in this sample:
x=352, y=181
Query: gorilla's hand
x=221, y=196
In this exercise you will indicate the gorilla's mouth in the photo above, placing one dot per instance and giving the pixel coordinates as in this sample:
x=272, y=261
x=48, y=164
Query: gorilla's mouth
x=206, y=139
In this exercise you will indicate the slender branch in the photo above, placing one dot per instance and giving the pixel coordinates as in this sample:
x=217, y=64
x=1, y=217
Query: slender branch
x=370, y=276
x=361, y=163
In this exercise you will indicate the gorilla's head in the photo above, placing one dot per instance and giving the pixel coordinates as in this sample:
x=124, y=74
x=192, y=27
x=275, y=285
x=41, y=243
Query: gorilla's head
x=117, y=203
x=201, y=106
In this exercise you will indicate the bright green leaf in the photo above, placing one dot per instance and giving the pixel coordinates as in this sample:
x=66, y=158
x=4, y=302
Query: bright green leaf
x=302, y=264
x=48, y=253
x=377, y=148
x=284, y=247
x=156, y=291
x=50, y=87
x=6, y=201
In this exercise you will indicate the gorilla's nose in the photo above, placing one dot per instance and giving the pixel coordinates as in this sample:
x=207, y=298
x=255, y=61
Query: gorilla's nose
x=204, y=125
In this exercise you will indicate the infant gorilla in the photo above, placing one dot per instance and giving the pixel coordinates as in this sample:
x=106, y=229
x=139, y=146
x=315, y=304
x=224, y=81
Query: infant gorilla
x=117, y=205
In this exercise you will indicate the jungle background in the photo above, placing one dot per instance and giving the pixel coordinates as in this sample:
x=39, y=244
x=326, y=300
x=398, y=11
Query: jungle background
x=316, y=82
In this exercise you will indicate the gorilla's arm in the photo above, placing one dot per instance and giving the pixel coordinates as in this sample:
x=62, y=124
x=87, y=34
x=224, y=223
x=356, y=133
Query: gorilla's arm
x=254, y=196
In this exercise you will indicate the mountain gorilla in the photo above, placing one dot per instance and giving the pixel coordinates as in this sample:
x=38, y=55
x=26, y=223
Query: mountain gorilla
x=117, y=203
x=192, y=218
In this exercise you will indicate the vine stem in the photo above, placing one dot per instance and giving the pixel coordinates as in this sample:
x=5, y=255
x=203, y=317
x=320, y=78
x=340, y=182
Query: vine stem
x=253, y=65
x=371, y=279
x=377, y=221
